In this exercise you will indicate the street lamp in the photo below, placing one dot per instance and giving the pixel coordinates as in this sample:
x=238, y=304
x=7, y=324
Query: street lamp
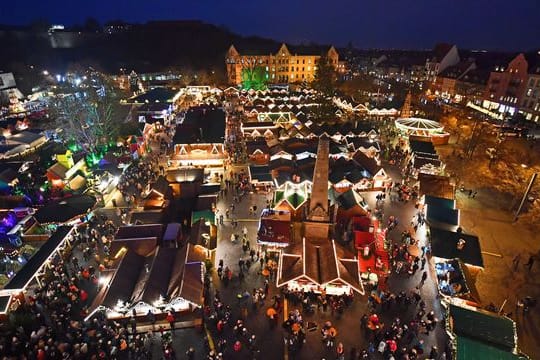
x=525, y=195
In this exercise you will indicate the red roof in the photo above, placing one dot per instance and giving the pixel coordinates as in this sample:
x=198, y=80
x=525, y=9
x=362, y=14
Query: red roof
x=274, y=231
x=361, y=223
x=363, y=238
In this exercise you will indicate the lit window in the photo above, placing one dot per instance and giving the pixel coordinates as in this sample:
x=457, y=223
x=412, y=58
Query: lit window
x=309, y=68
x=292, y=76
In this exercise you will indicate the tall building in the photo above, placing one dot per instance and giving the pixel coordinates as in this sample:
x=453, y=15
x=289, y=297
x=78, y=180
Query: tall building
x=506, y=86
x=287, y=65
x=442, y=57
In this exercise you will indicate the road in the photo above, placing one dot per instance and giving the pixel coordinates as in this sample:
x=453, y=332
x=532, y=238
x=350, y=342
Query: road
x=270, y=340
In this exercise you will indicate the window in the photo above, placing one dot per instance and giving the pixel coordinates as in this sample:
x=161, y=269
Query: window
x=303, y=61
x=309, y=68
x=309, y=61
x=297, y=62
x=302, y=69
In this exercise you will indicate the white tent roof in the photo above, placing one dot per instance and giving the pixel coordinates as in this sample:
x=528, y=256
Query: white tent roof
x=415, y=124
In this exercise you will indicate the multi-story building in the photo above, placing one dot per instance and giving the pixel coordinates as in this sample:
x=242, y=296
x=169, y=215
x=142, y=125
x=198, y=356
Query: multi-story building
x=506, y=86
x=530, y=105
x=443, y=56
x=446, y=82
x=284, y=66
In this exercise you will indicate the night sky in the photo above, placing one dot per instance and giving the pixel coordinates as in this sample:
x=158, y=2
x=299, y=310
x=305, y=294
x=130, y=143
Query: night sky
x=473, y=24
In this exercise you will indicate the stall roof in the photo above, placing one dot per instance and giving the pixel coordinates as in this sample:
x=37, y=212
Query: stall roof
x=158, y=94
x=480, y=325
x=464, y=277
x=27, y=273
x=147, y=217
x=370, y=164
x=468, y=348
x=444, y=245
x=439, y=202
x=124, y=279
x=205, y=202
x=65, y=209
x=198, y=228
x=207, y=215
x=192, y=286
x=158, y=279
x=349, y=199
x=209, y=189
x=139, y=231
x=443, y=215
x=185, y=175
x=422, y=146
x=172, y=231
x=274, y=227
x=435, y=185
x=161, y=186
x=321, y=261
x=4, y=303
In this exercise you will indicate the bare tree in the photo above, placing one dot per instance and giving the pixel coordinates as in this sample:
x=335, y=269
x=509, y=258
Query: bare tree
x=87, y=115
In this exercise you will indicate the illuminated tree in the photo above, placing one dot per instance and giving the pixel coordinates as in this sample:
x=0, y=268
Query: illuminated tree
x=325, y=77
x=87, y=116
x=254, y=78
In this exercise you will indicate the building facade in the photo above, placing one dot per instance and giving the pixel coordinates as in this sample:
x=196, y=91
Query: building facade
x=284, y=66
x=443, y=56
x=506, y=86
x=530, y=105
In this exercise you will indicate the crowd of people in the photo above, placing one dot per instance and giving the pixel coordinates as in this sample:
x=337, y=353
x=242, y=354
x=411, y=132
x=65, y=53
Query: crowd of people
x=49, y=322
x=131, y=184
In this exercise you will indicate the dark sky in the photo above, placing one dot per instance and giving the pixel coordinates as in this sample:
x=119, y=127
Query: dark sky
x=474, y=24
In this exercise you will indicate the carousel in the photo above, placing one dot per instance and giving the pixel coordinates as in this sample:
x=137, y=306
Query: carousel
x=422, y=128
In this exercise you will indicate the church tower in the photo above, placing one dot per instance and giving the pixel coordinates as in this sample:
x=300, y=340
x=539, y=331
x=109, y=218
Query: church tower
x=406, y=109
x=318, y=202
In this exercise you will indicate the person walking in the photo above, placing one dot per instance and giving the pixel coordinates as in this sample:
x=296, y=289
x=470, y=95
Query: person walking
x=529, y=264
x=515, y=262
x=424, y=277
x=171, y=320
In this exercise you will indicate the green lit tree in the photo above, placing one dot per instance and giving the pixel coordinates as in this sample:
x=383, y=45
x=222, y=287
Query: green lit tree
x=254, y=78
x=325, y=77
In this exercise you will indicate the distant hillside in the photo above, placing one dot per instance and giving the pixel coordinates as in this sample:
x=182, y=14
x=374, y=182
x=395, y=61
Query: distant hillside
x=153, y=46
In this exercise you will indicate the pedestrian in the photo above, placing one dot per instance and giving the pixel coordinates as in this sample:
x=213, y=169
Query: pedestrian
x=424, y=277
x=515, y=262
x=190, y=354
x=151, y=318
x=529, y=264
x=171, y=320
